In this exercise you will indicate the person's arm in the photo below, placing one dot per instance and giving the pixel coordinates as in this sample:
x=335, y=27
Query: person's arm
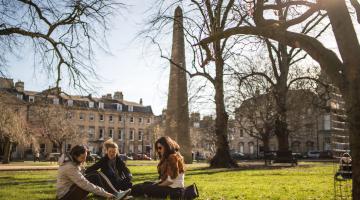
x=95, y=166
x=167, y=182
x=123, y=169
x=79, y=179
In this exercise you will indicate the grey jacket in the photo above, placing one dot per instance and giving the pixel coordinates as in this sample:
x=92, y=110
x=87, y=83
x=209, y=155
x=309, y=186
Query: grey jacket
x=69, y=174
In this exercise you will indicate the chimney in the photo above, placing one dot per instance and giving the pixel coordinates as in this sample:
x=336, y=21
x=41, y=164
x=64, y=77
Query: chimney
x=141, y=101
x=118, y=96
x=108, y=96
x=6, y=83
x=19, y=86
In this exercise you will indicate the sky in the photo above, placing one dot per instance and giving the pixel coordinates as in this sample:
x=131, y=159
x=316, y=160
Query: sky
x=133, y=67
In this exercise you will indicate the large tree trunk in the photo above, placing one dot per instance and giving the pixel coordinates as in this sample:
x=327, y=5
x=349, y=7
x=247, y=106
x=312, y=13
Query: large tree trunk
x=222, y=157
x=7, y=150
x=353, y=112
x=349, y=49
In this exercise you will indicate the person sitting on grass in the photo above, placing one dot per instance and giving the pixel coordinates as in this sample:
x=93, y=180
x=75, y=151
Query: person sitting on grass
x=72, y=184
x=171, y=173
x=113, y=167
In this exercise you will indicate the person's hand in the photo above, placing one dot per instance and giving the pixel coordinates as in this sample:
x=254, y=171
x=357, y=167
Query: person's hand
x=110, y=196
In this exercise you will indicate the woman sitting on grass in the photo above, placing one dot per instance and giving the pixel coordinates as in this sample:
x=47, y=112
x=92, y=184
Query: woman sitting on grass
x=72, y=184
x=113, y=167
x=171, y=173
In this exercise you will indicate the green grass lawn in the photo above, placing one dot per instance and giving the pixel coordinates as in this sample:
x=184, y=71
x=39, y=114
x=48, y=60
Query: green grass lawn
x=308, y=181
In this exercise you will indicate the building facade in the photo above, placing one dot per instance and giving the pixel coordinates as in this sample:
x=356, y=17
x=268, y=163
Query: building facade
x=129, y=124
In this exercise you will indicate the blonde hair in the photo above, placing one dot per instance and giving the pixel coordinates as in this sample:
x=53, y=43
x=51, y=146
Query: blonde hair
x=110, y=144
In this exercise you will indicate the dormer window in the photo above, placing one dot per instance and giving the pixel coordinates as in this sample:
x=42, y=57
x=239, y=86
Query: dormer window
x=31, y=99
x=70, y=102
x=19, y=96
x=101, y=105
x=91, y=104
x=56, y=101
x=131, y=108
x=118, y=107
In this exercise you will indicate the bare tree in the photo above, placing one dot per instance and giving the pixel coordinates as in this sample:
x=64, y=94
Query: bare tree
x=343, y=69
x=205, y=18
x=54, y=123
x=13, y=126
x=63, y=34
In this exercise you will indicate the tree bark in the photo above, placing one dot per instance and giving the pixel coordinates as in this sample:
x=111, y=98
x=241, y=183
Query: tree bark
x=7, y=150
x=222, y=158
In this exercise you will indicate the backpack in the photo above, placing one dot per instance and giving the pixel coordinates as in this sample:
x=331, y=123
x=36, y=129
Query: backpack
x=190, y=192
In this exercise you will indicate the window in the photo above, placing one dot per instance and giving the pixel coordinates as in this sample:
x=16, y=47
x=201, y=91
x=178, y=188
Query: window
x=131, y=135
x=91, y=104
x=241, y=147
x=91, y=132
x=101, y=133
x=119, y=107
x=131, y=108
x=140, y=135
x=149, y=120
x=69, y=115
x=251, y=148
x=111, y=133
x=241, y=133
x=196, y=125
x=56, y=101
x=19, y=96
x=131, y=148
x=68, y=148
x=147, y=136
x=55, y=148
x=101, y=105
x=139, y=150
x=31, y=99
x=101, y=117
x=110, y=118
x=131, y=119
x=121, y=134
x=91, y=117
x=70, y=102
x=326, y=122
x=42, y=148
x=81, y=116
x=120, y=118
x=140, y=119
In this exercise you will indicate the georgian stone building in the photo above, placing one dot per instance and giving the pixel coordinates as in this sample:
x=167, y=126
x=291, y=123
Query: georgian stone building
x=129, y=124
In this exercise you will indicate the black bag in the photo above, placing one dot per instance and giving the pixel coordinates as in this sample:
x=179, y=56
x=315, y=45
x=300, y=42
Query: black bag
x=191, y=192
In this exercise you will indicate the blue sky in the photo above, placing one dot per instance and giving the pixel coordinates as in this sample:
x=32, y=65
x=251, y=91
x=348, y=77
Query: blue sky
x=133, y=68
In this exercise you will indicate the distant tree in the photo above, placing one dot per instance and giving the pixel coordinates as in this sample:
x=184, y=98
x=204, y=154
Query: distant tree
x=55, y=123
x=13, y=127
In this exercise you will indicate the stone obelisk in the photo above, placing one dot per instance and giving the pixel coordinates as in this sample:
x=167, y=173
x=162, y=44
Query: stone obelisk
x=177, y=113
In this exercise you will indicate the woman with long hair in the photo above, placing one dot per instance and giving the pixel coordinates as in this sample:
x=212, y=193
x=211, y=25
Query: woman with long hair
x=113, y=167
x=73, y=184
x=171, y=170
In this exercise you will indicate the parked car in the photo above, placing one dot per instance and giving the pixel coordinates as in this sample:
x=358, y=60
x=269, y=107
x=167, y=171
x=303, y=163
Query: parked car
x=53, y=157
x=297, y=155
x=124, y=157
x=93, y=157
x=199, y=157
x=313, y=154
x=142, y=157
x=238, y=156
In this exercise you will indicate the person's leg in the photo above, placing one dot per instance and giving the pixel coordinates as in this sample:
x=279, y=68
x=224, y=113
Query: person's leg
x=156, y=191
x=123, y=185
x=75, y=193
x=99, y=179
x=138, y=190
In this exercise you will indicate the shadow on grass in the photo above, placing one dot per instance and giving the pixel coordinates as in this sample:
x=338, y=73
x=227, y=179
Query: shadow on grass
x=208, y=170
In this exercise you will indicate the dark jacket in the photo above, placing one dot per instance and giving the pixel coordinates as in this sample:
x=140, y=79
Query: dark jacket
x=123, y=181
